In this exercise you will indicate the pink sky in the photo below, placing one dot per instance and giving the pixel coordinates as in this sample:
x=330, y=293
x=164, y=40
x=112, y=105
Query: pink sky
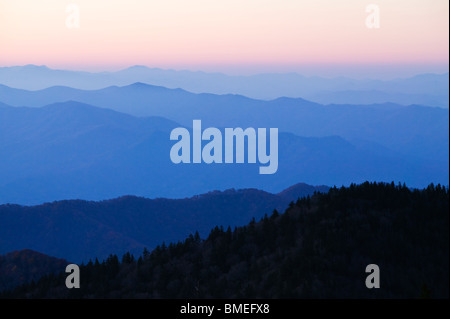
x=233, y=35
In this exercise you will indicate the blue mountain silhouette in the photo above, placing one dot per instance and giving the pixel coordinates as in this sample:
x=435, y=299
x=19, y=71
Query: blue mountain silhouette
x=413, y=131
x=73, y=150
x=426, y=89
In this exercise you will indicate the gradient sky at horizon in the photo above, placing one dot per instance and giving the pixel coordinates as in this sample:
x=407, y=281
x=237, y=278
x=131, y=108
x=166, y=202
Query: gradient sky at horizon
x=312, y=37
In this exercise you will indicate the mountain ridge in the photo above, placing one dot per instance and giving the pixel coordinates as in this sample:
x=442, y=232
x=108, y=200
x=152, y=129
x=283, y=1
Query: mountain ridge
x=391, y=125
x=78, y=230
x=23, y=266
x=318, y=247
x=267, y=86
x=72, y=150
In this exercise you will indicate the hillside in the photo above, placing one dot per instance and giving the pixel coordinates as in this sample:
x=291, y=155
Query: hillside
x=318, y=248
x=20, y=267
x=79, y=230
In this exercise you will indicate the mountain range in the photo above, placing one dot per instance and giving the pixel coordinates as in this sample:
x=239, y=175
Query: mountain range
x=318, y=247
x=79, y=230
x=85, y=172
x=26, y=265
x=73, y=150
x=425, y=89
x=415, y=131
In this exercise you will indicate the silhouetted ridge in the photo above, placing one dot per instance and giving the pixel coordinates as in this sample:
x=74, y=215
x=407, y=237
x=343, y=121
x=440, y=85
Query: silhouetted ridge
x=78, y=230
x=20, y=267
x=318, y=248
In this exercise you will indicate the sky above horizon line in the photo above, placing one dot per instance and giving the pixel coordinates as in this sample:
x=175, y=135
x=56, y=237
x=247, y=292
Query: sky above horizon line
x=239, y=37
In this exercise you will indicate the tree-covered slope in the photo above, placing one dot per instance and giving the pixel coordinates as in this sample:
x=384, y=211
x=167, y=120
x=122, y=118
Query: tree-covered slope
x=318, y=248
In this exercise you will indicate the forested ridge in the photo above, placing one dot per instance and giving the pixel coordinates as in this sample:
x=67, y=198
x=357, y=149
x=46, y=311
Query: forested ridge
x=318, y=248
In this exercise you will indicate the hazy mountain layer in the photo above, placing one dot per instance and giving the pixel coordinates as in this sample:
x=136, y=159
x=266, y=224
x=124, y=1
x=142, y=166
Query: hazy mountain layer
x=414, y=131
x=427, y=89
x=76, y=151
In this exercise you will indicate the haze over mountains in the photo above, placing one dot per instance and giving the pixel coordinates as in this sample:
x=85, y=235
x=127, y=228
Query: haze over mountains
x=413, y=130
x=424, y=89
x=63, y=143
x=72, y=150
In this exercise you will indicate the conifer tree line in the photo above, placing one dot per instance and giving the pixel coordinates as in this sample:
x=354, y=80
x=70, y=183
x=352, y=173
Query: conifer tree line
x=318, y=247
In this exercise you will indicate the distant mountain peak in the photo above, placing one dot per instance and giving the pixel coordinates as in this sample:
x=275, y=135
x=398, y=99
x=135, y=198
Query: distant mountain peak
x=137, y=67
x=145, y=86
x=33, y=66
x=142, y=84
x=299, y=189
x=293, y=99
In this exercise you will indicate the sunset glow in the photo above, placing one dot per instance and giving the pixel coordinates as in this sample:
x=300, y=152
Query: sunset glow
x=212, y=34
